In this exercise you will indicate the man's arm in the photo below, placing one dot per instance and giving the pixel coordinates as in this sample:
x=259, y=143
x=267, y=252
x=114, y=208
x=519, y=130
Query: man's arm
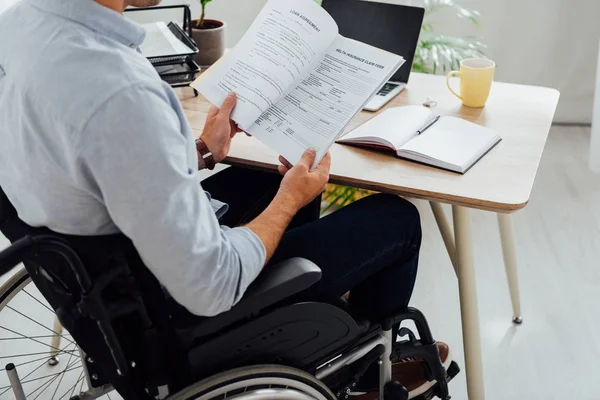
x=134, y=158
x=299, y=187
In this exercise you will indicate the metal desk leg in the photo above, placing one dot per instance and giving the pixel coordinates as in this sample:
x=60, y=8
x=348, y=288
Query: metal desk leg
x=468, y=302
x=510, y=263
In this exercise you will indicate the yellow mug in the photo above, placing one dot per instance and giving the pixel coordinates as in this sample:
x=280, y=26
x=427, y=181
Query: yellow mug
x=476, y=76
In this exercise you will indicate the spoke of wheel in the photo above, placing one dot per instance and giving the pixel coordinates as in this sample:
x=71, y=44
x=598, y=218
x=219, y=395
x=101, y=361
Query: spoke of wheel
x=35, y=354
x=56, y=374
x=62, y=376
x=42, y=377
x=43, y=390
x=39, y=359
x=75, y=385
x=34, y=337
x=38, y=300
x=29, y=362
x=45, y=386
x=81, y=387
x=33, y=320
x=108, y=396
x=49, y=381
x=29, y=337
x=29, y=374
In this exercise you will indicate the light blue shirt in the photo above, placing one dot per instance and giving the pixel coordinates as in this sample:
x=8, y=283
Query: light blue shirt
x=92, y=142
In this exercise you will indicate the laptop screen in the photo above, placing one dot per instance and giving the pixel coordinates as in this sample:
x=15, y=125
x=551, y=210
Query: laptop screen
x=389, y=27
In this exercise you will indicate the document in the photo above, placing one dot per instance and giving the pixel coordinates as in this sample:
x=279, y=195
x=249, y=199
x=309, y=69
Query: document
x=298, y=81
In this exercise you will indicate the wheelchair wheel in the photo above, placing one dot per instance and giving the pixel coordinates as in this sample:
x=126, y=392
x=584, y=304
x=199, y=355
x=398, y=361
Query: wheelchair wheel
x=32, y=339
x=261, y=382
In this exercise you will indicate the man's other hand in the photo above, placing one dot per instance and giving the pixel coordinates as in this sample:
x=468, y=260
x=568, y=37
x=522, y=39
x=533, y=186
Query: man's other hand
x=219, y=129
x=300, y=185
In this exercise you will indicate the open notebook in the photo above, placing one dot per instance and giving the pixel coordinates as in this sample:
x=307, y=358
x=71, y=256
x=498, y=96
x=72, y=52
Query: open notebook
x=415, y=133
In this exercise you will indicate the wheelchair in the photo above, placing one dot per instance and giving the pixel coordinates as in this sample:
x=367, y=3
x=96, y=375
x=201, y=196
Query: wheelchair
x=125, y=334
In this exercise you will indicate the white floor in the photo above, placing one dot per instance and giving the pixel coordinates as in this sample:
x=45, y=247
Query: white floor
x=555, y=353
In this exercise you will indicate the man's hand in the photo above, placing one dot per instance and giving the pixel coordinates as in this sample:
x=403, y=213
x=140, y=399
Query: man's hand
x=300, y=185
x=219, y=129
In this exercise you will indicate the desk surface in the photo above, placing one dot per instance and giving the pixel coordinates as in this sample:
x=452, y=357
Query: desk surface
x=502, y=181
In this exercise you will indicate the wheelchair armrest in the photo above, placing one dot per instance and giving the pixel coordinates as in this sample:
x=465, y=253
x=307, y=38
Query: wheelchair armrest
x=16, y=253
x=274, y=284
x=280, y=281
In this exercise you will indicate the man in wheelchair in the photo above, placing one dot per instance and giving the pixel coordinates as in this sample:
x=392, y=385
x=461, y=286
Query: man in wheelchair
x=99, y=163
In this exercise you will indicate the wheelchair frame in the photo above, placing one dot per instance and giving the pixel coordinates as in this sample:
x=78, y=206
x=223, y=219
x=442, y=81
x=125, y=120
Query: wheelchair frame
x=375, y=348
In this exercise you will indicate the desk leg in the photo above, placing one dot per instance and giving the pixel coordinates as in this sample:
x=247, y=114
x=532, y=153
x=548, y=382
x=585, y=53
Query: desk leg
x=468, y=302
x=510, y=262
x=445, y=231
x=55, y=342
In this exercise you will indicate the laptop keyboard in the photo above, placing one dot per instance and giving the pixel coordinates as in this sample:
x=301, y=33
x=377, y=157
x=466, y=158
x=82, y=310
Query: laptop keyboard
x=387, y=88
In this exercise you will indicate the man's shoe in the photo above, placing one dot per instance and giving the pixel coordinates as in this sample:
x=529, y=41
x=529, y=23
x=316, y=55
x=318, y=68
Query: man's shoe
x=411, y=374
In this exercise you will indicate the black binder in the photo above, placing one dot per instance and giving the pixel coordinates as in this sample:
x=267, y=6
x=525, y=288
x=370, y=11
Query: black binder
x=177, y=70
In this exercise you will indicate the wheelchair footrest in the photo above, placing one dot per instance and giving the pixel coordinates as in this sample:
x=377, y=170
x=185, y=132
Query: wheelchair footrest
x=435, y=391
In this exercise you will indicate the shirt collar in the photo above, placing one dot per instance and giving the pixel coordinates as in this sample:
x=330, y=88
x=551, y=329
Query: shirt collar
x=97, y=18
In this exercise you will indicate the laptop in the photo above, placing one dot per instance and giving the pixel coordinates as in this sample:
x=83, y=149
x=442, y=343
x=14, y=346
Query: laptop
x=390, y=27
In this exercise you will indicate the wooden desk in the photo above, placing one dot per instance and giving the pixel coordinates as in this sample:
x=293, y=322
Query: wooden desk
x=501, y=182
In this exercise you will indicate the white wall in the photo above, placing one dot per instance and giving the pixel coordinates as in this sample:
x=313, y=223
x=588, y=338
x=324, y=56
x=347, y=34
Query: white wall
x=4, y=4
x=545, y=42
x=538, y=42
x=595, y=142
x=238, y=14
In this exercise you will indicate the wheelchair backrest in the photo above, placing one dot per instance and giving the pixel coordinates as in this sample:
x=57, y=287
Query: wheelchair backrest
x=108, y=301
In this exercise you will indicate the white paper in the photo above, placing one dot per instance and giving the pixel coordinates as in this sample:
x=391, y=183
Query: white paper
x=283, y=44
x=160, y=41
x=453, y=141
x=393, y=127
x=315, y=112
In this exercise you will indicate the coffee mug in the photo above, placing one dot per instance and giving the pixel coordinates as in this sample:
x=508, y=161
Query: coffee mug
x=476, y=76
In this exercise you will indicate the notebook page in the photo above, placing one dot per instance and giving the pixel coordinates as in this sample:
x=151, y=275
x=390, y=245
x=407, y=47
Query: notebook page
x=395, y=126
x=453, y=141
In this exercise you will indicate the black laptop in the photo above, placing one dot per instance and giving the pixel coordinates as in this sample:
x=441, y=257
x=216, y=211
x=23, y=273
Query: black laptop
x=389, y=27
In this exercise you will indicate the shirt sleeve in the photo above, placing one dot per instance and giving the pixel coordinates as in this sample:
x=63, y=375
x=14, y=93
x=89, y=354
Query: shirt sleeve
x=135, y=161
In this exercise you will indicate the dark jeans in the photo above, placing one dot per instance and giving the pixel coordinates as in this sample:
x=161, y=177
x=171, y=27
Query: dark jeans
x=370, y=247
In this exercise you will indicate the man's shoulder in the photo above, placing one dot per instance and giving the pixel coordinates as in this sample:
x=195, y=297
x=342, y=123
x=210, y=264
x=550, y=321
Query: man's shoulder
x=70, y=69
x=94, y=68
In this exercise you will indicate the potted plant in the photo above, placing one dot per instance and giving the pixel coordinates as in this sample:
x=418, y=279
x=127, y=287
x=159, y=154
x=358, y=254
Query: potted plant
x=438, y=53
x=209, y=35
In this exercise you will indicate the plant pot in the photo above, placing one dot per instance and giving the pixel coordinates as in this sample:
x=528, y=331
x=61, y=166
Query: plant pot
x=210, y=41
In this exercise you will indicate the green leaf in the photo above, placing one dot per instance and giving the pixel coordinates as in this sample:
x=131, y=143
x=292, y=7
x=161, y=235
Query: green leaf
x=332, y=203
x=441, y=53
x=435, y=6
x=204, y=2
